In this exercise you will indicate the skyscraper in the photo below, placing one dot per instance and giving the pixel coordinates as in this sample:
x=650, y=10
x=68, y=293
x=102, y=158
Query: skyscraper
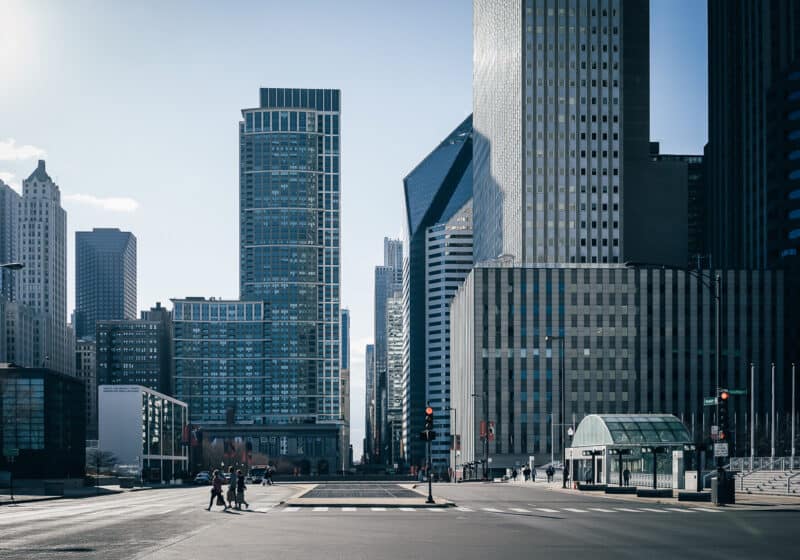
x=86, y=371
x=369, y=400
x=105, y=278
x=344, y=381
x=289, y=246
x=751, y=47
x=384, y=289
x=435, y=190
x=393, y=257
x=394, y=377
x=448, y=261
x=43, y=281
x=561, y=132
x=10, y=203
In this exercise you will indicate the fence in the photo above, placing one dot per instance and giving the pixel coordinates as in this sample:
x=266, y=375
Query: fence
x=748, y=464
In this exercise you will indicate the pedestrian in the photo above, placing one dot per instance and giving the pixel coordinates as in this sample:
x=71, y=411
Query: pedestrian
x=533, y=474
x=240, y=488
x=270, y=472
x=526, y=473
x=514, y=475
x=626, y=476
x=550, y=473
x=231, y=494
x=216, y=490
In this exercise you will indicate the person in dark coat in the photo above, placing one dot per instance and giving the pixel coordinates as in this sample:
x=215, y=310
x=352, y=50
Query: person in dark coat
x=216, y=490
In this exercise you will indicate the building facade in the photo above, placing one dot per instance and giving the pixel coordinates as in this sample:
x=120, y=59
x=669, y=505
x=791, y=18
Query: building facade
x=145, y=431
x=561, y=119
x=636, y=340
x=43, y=281
x=394, y=378
x=10, y=202
x=43, y=416
x=136, y=352
x=448, y=261
x=434, y=191
x=751, y=47
x=344, y=380
x=105, y=278
x=369, y=400
x=225, y=371
x=86, y=371
x=289, y=172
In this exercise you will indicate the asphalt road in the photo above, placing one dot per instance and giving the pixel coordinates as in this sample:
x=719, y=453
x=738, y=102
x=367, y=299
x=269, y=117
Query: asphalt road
x=491, y=521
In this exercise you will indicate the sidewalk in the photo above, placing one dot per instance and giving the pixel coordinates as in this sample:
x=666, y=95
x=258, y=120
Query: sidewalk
x=744, y=501
x=86, y=492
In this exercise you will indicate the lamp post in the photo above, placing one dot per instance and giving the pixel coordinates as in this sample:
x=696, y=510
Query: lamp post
x=562, y=386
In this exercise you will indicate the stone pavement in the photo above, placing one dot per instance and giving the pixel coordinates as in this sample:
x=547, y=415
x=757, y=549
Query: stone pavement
x=388, y=494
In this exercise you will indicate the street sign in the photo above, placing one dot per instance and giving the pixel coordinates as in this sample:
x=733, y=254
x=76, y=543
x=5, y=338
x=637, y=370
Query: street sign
x=11, y=452
x=720, y=450
x=709, y=401
x=737, y=391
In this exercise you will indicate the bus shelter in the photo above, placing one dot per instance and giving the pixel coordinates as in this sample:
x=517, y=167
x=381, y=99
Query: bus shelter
x=626, y=449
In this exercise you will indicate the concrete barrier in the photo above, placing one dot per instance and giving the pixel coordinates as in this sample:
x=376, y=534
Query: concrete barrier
x=592, y=487
x=621, y=490
x=694, y=497
x=654, y=493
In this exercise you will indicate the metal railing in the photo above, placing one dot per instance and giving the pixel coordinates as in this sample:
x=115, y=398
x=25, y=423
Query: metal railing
x=789, y=482
x=750, y=464
x=645, y=480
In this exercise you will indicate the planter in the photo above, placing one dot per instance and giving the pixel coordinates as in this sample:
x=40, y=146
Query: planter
x=654, y=493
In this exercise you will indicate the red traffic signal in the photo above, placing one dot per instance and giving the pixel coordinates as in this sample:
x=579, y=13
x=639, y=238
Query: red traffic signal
x=724, y=395
x=429, y=411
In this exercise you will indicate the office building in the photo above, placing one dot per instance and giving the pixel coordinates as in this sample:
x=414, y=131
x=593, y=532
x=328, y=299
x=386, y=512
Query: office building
x=393, y=257
x=137, y=351
x=394, y=377
x=224, y=360
x=344, y=380
x=289, y=194
x=105, y=278
x=86, y=371
x=687, y=171
x=10, y=202
x=751, y=48
x=43, y=281
x=434, y=191
x=448, y=261
x=384, y=289
x=144, y=430
x=369, y=400
x=43, y=416
x=561, y=126
x=635, y=340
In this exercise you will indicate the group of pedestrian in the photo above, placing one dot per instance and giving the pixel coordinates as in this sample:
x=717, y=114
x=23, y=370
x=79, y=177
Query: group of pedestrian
x=235, y=494
x=268, y=472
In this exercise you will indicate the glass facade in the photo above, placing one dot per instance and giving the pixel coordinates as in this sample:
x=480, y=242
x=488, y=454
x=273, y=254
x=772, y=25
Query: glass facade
x=43, y=416
x=289, y=248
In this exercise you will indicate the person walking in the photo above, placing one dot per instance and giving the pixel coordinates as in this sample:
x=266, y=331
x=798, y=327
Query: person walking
x=533, y=473
x=231, y=494
x=216, y=490
x=240, y=488
x=270, y=472
x=626, y=476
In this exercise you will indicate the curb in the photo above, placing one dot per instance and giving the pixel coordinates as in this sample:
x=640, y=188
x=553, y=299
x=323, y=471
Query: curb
x=31, y=500
x=442, y=505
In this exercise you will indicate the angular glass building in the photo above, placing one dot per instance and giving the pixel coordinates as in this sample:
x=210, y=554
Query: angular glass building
x=105, y=278
x=434, y=191
x=289, y=247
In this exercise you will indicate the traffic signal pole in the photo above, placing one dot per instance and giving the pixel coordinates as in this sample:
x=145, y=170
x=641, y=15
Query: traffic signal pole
x=430, y=478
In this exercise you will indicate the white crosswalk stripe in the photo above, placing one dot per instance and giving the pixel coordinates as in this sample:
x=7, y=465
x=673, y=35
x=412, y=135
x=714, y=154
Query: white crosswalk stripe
x=493, y=510
x=378, y=509
x=410, y=509
x=709, y=510
x=320, y=509
x=654, y=510
x=291, y=509
x=628, y=510
x=461, y=508
x=576, y=510
x=682, y=510
x=349, y=509
x=521, y=510
x=603, y=510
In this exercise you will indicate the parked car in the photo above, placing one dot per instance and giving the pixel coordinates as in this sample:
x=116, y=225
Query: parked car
x=256, y=475
x=203, y=477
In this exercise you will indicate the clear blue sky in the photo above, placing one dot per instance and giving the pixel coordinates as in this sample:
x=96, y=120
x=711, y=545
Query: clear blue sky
x=135, y=107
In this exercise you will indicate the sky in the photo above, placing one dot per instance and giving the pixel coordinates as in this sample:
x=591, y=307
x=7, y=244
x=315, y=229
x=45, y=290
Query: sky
x=135, y=107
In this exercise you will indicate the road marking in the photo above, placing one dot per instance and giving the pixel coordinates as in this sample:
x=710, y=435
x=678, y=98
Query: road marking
x=321, y=508
x=709, y=510
x=492, y=510
x=546, y=510
x=407, y=509
x=682, y=510
x=576, y=510
x=463, y=509
x=629, y=510
x=378, y=509
x=654, y=510
x=349, y=509
x=603, y=510
x=291, y=509
x=521, y=510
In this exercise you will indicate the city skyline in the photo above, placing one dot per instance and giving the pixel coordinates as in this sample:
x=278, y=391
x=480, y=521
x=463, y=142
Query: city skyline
x=167, y=190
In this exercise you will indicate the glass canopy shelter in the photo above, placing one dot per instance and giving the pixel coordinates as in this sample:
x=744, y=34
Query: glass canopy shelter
x=605, y=442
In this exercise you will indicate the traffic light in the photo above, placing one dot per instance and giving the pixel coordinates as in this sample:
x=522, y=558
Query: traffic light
x=722, y=412
x=429, y=418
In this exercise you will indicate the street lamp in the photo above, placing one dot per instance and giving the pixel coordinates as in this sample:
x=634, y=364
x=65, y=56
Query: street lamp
x=562, y=386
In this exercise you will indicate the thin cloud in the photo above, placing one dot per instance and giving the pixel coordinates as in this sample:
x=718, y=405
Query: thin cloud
x=111, y=203
x=10, y=179
x=9, y=151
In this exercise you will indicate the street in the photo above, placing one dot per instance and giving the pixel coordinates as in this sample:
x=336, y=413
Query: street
x=498, y=520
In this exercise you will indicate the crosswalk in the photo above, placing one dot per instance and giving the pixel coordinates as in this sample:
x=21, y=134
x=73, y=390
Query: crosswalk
x=495, y=510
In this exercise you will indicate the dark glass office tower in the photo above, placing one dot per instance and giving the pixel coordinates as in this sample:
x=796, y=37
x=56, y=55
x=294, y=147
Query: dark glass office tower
x=105, y=278
x=751, y=46
x=434, y=191
x=289, y=247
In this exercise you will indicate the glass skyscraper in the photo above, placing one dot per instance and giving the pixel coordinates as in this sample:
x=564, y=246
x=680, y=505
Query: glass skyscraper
x=289, y=246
